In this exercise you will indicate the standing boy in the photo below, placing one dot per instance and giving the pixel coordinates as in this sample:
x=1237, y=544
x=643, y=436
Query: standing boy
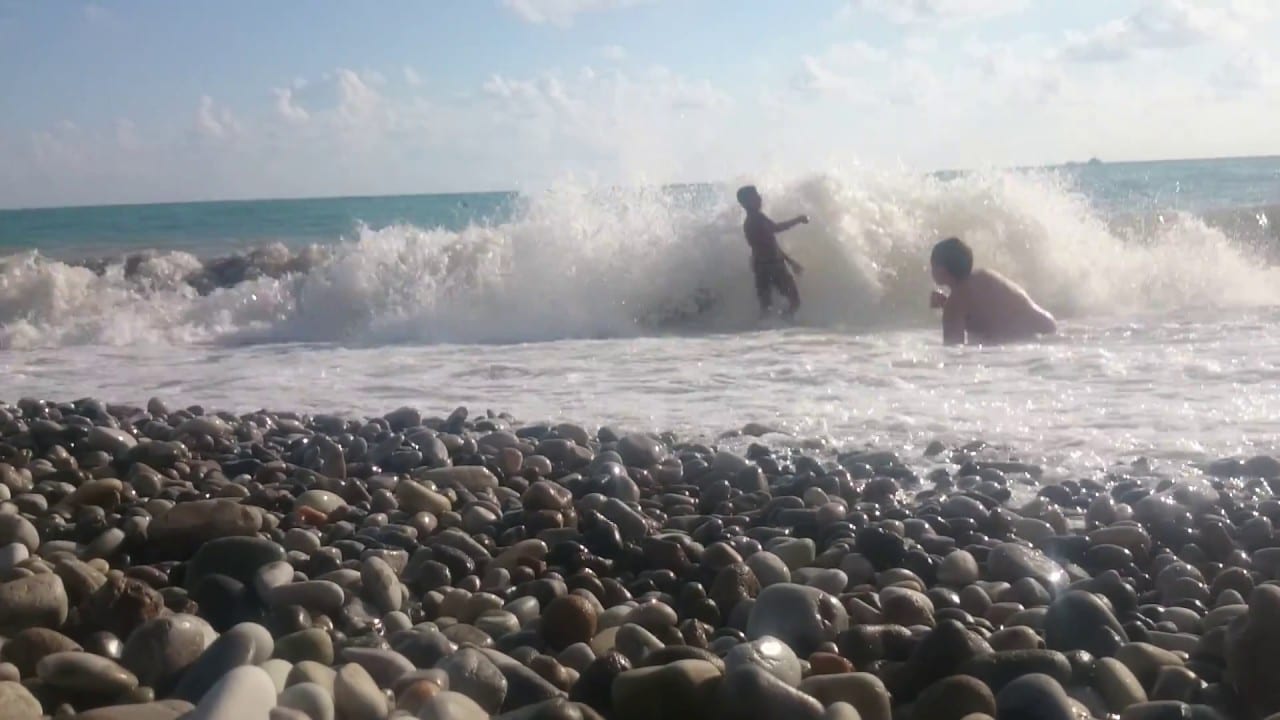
x=772, y=266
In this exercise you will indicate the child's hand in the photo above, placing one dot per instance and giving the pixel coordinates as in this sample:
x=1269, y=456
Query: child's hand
x=937, y=299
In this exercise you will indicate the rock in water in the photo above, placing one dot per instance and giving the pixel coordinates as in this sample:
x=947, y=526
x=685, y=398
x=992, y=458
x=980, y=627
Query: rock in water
x=800, y=616
x=1078, y=620
x=246, y=693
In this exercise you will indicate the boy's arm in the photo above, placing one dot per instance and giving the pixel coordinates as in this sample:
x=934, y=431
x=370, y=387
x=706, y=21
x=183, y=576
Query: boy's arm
x=953, y=330
x=785, y=226
x=795, y=266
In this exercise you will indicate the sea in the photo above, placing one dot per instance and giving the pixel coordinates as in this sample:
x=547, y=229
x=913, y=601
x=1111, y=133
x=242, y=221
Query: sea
x=634, y=307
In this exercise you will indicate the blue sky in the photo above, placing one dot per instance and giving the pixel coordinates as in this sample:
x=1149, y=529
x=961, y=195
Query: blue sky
x=152, y=100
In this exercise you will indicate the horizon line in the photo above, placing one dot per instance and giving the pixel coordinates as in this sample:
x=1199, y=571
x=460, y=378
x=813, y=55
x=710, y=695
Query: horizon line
x=460, y=193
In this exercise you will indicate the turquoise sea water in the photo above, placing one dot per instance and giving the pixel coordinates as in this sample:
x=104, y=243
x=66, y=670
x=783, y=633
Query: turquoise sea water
x=1212, y=187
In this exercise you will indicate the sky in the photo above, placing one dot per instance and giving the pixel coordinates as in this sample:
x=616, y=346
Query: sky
x=132, y=101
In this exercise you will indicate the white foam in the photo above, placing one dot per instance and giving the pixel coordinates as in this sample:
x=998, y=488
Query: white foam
x=586, y=263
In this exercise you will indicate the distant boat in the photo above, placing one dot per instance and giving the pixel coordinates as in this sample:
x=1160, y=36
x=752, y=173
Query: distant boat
x=1094, y=161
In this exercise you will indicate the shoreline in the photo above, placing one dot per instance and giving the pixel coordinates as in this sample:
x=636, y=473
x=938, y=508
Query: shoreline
x=155, y=560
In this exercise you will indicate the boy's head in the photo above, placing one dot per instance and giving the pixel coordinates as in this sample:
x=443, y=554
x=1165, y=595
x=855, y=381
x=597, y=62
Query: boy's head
x=749, y=197
x=951, y=261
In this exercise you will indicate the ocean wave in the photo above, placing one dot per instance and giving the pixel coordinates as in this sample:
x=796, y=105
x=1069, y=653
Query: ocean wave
x=580, y=262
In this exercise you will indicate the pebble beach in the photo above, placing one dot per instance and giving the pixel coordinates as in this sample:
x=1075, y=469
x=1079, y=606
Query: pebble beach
x=161, y=562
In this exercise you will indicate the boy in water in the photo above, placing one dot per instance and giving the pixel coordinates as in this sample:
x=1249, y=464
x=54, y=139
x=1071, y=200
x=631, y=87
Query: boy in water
x=982, y=306
x=768, y=261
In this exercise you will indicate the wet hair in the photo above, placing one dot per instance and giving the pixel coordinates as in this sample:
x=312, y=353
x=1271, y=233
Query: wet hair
x=953, y=256
x=746, y=191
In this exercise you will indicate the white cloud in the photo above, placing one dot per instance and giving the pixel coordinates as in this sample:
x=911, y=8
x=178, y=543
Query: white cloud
x=912, y=12
x=1247, y=73
x=562, y=12
x=411, y=76
x=287, y=109
x=1163, y=25
x=864, y=75
x=214, y=122
x=356, y=98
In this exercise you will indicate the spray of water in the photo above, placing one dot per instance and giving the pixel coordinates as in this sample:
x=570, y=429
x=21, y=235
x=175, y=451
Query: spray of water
x=579, y=262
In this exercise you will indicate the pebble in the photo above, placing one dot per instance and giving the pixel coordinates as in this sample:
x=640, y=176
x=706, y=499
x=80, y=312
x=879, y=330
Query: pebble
x=27, y=648
x=768, y=568
x=86, y=673
x=160, y=650
x=385, y=666
x=18, y=702
x=228, y=652
x=954, y=698
x=750, y=691
x=768, y=654
x=800, y=616
x=544, y=571
x=312, y=644
x=1250, y=652
x=864, y=691
x=1011, y=562
x=159, y=710
x=356, y=696
x=1117, y=685
x=1078, y=620
x=35, y=601
x=958, y=569
x=473, y=674
x=451, y=706
x=200, y=521
x=245, y=693
x=1034, y=696
x=568, y=620
x=685, y=688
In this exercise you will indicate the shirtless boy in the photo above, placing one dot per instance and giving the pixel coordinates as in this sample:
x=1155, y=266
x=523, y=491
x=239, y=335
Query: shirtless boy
x=772, y=266
x=982, y=306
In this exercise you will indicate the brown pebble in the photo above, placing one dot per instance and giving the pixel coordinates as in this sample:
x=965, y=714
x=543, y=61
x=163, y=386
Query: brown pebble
x=567, y=620
x=311, y=516
x=414, y=696
x=825, y=663
x=551, y=671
